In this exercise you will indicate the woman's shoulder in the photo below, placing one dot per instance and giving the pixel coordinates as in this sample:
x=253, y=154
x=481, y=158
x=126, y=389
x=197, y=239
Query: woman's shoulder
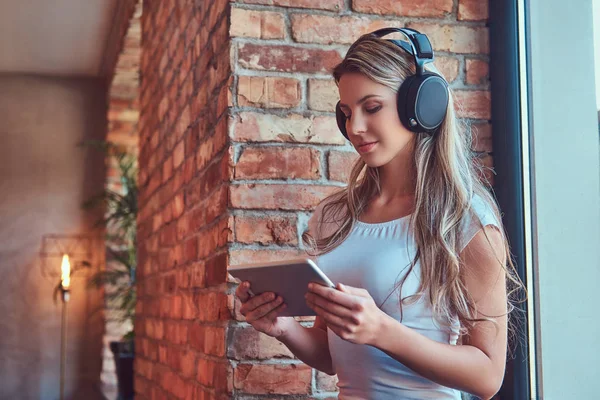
x=481, y=212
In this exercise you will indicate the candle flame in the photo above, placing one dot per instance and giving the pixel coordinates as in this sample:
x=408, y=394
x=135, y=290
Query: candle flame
x=65, y=271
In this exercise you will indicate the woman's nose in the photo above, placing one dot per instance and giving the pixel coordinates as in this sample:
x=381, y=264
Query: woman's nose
x=355, y=125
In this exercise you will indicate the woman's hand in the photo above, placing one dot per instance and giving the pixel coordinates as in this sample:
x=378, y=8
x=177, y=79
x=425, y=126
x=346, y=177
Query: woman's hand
x=262, y=311
x=351, y=313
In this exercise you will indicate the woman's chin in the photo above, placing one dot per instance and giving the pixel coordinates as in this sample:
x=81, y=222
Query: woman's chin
x=370, y=161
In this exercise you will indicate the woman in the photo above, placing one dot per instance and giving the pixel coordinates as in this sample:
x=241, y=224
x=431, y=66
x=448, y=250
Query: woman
x=415, y=238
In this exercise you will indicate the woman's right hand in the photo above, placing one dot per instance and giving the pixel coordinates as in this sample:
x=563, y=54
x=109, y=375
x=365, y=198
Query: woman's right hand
x=262, y=311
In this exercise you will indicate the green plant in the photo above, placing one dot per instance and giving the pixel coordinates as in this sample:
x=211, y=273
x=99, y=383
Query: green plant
x=120, y=213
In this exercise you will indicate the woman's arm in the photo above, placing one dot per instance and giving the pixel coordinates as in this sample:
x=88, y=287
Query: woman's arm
x=309, y=344
x=476, y=367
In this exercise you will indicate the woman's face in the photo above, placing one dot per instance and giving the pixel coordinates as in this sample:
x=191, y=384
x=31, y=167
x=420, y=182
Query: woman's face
x=372, y=121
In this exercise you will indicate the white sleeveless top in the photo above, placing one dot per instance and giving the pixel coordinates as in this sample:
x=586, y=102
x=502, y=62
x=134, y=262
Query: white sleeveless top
x=376, y=257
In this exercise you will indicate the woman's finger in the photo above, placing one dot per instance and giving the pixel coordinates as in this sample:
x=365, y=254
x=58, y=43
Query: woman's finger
x=263, y=310
x=330, y=319
x=256, y=301
x=336, y=296
x=242, y=291
x=333, y=308
x=272, y=316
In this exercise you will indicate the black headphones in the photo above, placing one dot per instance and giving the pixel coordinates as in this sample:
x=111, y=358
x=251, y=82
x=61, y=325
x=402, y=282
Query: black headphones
x=423, y=97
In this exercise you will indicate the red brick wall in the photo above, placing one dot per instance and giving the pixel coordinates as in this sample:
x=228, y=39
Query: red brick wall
x=182, y=227
x=238, y=145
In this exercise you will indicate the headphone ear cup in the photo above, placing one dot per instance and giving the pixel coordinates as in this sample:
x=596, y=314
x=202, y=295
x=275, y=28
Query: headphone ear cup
x=431, y=101
x=423, y=102
x=404, y=104
x=341, y=120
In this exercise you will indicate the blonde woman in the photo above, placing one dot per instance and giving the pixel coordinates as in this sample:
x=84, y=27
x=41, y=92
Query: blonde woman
x=414, y=242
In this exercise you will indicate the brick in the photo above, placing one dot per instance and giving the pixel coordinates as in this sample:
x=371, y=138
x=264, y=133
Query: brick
x=215, y=270
x=189, y=307
x=248, y=343
x=473, y=104
x=212, y=146
x=165, y=307
x=142, y=386
x=214, y=341
x=143, y=367
x=295, y=128
x=266, y=230
x=326, y=383
x=208, y=339
x=273, y=379
x=189, y=168
x=176, y=332
x=167, y=169
x=196, y=339
x=168, y=236
x=197, y=275
x=268, y=92
x=472, y=10
x=167, y=213
x=154, y=329
x=448, y=67
x=183, y=227
x=215, y=375
x=324, y=29
x=455, y=38
x=183, y=277
x=213, y=306
x=278, y=197
x=181, y=126
x=335, y=5
x=215, y=175
x=478, y=72
x=187, y=364
x=190, y=251
x=216, y=204
x=243, y=256
x=287, y=58
x=340, y=165
x=481, y=134
x=215, y=238
x=257, y=24
x=169, y=283
x=178, y=205
x=278, y=163
x=178, y=154
x=173, y=357
x=323, y=94
x=405, y=8
x=175, y=310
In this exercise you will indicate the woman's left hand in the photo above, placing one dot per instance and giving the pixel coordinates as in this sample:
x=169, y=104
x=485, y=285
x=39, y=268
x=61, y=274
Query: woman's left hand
x=351, y=313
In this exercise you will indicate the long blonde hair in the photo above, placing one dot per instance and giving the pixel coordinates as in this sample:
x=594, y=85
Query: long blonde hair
x=447, y=178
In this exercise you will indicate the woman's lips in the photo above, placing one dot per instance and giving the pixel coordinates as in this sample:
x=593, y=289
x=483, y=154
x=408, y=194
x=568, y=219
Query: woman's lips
x=365, y=148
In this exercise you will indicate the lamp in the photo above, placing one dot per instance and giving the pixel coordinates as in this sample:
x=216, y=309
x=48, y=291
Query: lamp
x=75, y=251
x=65, y=284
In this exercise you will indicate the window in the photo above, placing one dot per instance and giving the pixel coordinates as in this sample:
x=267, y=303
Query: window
x=546, y=152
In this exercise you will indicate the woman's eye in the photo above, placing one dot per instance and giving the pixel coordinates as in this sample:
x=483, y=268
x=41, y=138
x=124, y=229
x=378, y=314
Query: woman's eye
x=373, y=110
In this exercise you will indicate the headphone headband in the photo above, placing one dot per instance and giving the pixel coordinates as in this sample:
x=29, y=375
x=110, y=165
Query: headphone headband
x=418, y=46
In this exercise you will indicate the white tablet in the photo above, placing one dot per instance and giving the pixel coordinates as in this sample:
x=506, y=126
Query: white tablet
x=289, y=279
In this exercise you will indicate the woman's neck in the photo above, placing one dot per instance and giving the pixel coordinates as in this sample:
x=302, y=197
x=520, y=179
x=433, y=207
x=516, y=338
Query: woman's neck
x=398, y=177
